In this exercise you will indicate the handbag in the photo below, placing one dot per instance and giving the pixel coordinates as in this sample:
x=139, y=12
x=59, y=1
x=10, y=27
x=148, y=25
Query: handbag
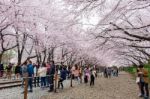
x=137, y=79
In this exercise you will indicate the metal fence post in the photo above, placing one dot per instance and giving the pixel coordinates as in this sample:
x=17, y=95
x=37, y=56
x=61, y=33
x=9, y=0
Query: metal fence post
x=81, y=75
x=71, y=81
x=55, y=82
x=26, y=88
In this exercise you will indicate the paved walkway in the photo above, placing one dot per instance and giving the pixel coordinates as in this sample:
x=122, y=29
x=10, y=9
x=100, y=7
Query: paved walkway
x=122, y=87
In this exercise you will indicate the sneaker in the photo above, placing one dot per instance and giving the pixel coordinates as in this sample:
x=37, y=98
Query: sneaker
x=50, y=90
x=30, y=90
x=141, y=95
x=38, y=85
x=146, y=97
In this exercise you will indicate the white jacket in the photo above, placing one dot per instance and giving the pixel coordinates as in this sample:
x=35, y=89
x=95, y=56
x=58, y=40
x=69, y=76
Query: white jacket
x=42, y=71
x=35, y=71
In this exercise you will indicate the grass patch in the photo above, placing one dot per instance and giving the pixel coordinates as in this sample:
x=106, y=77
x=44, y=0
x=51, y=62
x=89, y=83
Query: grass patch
x=132, y=69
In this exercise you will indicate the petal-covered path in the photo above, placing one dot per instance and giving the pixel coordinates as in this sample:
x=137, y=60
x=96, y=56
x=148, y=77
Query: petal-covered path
x=122, y=87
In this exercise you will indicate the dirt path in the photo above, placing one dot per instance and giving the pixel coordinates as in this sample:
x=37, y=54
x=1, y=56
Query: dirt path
x=122, y=87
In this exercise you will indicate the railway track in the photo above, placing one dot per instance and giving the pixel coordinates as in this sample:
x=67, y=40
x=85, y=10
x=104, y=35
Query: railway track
x=10, y=84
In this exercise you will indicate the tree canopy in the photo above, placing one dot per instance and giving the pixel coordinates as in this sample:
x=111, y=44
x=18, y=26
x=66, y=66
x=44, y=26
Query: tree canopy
x=101, y=32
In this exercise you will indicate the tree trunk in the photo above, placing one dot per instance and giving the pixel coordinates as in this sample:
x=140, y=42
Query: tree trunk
x=19, y=59
x=38, y=60
x=52, y=54
x=49, y=57
x=1, y=56
x=44, y=57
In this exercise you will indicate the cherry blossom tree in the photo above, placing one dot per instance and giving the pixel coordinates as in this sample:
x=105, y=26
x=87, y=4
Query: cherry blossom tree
x=121, y=23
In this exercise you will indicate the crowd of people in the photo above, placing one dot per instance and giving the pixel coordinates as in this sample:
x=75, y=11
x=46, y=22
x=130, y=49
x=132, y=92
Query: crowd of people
x=110, y=71
x=7, y=71
x=88, y=73
x=44, y=74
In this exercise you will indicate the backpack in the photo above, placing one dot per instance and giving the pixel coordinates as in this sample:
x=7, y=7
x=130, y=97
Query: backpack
x=24, y=69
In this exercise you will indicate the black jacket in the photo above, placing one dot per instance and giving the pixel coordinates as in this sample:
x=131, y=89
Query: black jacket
x=52, y=70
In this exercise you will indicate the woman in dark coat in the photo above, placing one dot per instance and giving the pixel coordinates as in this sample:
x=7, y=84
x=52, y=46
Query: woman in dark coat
x=17, y=71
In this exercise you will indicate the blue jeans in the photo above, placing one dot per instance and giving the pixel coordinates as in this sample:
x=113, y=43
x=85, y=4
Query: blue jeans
x=47, y=80
x=144, y=89
x=43, y=81
x=30, y=83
